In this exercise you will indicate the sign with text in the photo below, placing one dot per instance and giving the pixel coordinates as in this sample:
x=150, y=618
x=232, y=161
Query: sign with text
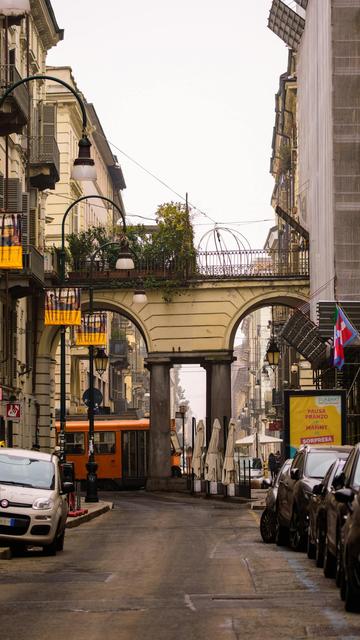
x=316, y=418
x=13, y=410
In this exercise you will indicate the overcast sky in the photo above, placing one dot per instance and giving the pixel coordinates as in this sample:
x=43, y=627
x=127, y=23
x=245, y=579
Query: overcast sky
x=186, y=88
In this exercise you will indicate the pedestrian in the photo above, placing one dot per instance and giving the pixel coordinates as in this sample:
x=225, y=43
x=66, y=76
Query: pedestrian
x=272, y=464
x=278, y=459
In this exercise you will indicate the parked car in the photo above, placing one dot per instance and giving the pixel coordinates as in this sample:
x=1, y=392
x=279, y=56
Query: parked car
x=268, y=516
x=309, y=466
x=317, y=509
x=336, y=514
x=349, y=547
x=33, y=504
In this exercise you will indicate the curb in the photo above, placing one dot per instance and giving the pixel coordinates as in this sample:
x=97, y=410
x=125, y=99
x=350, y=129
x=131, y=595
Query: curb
x=76, y=522
x=257, y=507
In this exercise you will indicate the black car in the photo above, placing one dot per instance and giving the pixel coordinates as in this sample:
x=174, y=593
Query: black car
x=348, y=532
x=309, y=467
x=268, y=516
x=317, y=510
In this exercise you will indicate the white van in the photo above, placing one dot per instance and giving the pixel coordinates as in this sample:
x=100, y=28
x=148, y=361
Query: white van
x=33, y=504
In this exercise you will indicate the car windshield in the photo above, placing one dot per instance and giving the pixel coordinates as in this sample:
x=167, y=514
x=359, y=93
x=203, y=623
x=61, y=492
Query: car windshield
x=25, y=471
x=318, y=462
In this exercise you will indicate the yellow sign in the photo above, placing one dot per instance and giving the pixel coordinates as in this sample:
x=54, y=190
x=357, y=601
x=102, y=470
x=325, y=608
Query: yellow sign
x=315, y=420
x=62, y=307
x=10, y=241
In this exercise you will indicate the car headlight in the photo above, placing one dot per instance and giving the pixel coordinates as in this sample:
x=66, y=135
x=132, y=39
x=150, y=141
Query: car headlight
x=43, y=503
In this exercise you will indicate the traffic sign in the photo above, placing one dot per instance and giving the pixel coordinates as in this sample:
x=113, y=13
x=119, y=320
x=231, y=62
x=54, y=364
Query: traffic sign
x=13, y=410
x=97, y=397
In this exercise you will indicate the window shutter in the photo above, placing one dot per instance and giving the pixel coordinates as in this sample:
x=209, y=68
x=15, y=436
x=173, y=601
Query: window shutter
x=14, y=195
x=48, y=121
x=25, y=220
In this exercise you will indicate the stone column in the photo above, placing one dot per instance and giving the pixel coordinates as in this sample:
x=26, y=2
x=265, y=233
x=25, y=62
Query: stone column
x=159, y=446
x=218, y=390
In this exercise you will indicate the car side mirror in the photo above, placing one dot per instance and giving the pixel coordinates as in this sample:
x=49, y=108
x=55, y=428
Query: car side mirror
x=339, y=481
x=295, y=474
x=344, y=496
x=67, y=487
x=318, y=489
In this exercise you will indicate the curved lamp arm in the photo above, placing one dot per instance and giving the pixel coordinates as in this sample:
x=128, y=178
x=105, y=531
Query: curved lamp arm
x=45, y=77
x=70, y=207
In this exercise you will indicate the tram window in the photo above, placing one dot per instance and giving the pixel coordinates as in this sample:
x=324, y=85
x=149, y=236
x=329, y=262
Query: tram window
x=75, y=442
x=104, y=442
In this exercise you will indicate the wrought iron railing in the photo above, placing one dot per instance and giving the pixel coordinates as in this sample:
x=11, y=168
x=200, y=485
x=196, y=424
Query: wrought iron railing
x=207, y=265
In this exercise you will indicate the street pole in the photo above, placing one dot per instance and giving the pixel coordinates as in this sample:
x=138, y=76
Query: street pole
x=183, y=442
x=91, y=465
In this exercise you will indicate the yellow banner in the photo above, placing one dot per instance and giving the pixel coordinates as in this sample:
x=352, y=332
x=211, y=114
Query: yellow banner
x=11, y=257
x=62, y=307
x=315, y=420
x=92, y=331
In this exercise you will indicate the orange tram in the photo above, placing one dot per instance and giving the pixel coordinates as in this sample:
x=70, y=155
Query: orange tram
x=121, y=450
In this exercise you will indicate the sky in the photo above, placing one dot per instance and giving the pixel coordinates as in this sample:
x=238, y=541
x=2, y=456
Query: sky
x=185, y=88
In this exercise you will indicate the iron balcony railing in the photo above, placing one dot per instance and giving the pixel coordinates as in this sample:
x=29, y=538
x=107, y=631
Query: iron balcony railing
x=9, y=75
x=217, y=265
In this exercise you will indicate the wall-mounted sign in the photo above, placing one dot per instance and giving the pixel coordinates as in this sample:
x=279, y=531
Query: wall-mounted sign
x=13, y=410
x=316, y=418
x=62, y=307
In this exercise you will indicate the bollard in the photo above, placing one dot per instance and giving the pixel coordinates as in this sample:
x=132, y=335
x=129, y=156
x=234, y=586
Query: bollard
x=78, y=496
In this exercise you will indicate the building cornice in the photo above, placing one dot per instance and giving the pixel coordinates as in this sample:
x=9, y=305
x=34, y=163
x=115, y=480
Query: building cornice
x=46, y=24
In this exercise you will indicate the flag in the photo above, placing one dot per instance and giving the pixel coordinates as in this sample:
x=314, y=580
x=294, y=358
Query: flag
x=92, y=330
x=62, y=307
x=11, y=256
x=344, y=334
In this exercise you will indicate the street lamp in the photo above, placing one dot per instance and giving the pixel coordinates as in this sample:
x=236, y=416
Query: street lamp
x=84, y=165
x=272, y=353
x=101, y=360
x=63, y=328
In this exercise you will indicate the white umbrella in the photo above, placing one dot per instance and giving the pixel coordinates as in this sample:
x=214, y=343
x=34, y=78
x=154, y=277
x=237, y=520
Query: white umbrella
x=213, y=460
x=198, y=447
x=262, y=439
x=228, y=472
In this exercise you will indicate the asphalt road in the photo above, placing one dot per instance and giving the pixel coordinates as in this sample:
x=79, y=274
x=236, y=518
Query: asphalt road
x=161, y=569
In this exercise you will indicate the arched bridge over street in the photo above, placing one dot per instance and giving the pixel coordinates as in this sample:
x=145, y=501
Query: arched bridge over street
x=198, y=325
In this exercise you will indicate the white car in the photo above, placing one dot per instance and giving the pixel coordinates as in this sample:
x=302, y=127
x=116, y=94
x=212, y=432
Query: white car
x=33, y=504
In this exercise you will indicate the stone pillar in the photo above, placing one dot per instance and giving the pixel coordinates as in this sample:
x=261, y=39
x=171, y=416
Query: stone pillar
x=218, y=391
x=159, y=446
x=45, y=386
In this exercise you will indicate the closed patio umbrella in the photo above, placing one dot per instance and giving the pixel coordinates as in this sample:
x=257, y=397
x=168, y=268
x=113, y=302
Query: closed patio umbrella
x=197, y=462
x=228, y=472
x=213, y=460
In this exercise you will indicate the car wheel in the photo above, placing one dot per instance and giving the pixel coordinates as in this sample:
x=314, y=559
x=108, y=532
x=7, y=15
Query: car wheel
x=319, y=550
x=329, y=562
x=50, y=549
x=352, y=594
x=268, y=526
x=60, y=542
x=282, y=534
x=296, y=539
x=311, y=548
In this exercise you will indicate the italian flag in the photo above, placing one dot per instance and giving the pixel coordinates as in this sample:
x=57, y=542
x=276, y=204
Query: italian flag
x=344, y=334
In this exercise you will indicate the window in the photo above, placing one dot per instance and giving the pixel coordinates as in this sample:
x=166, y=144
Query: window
x=75, y=442
x=104, y=442
x=318, y=462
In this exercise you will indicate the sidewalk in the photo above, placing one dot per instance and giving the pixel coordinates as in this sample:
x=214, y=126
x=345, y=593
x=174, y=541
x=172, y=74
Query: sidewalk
x=93, y=511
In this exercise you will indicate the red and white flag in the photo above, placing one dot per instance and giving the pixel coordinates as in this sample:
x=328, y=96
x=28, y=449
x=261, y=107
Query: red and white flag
x=344, y=334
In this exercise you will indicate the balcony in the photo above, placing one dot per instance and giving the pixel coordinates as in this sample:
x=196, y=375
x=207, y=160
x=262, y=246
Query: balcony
x=14, y=114
x=23, y=281
x=44, y=162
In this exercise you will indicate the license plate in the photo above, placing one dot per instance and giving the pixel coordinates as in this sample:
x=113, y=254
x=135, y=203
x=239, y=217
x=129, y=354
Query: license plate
x=7, y=522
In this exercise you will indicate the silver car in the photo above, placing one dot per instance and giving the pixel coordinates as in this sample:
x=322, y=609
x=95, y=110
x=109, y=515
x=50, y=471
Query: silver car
x=33, y=504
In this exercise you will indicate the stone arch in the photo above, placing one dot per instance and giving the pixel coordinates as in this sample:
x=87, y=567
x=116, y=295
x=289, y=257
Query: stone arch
x=287, y=299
